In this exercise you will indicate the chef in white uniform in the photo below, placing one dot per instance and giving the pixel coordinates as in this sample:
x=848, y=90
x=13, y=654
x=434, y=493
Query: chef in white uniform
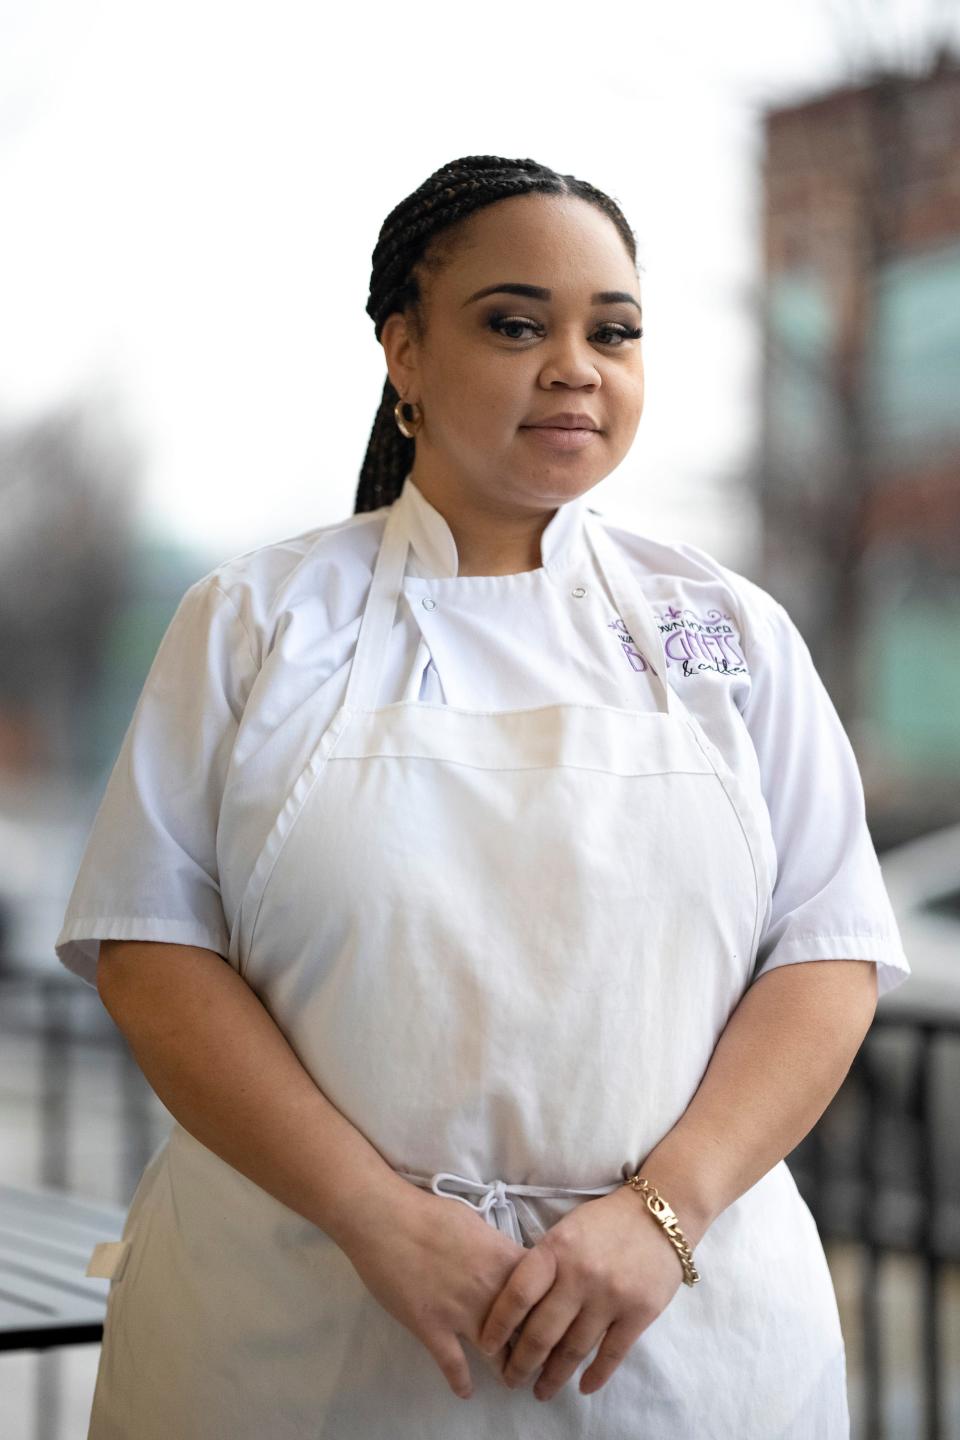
x=466, y=859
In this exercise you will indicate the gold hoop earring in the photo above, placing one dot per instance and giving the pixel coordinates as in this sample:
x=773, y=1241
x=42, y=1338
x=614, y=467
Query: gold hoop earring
x=402, y=421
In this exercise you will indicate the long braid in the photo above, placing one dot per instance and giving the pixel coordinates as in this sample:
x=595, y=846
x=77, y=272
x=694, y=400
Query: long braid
x=451, y=194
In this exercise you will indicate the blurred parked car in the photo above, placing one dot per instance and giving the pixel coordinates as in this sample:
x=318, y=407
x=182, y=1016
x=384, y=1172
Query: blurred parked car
x=923, y=880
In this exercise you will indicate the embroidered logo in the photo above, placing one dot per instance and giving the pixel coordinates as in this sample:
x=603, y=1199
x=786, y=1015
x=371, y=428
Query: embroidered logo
x=626, y=641
x=694, y=642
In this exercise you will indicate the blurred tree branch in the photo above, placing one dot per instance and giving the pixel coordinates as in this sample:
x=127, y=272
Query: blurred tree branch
x=67, y=484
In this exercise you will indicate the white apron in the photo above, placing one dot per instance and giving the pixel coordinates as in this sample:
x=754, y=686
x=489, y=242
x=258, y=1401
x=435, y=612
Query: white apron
x=504, y=944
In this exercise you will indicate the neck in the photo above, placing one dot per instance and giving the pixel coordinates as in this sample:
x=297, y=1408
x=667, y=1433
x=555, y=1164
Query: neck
x=489, y=540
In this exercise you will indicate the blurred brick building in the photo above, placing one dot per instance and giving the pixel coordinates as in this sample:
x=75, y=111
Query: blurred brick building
x=859, y=473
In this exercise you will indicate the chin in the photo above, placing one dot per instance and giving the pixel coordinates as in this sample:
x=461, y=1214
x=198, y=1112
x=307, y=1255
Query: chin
x=559, y=489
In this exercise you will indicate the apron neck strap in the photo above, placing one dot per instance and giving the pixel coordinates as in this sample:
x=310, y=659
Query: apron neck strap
x=386, y=587
x=376, y=622
x=635, y=612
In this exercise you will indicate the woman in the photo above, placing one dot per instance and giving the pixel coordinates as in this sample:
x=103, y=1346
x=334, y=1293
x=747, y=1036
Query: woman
x=503, y=819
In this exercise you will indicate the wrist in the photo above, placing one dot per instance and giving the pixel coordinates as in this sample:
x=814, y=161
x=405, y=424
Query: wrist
x=377, y=1208
x=665, y=1216
x=681, y=1183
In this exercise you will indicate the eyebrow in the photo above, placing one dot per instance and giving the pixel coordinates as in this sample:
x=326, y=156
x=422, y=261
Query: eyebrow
x=537, y=292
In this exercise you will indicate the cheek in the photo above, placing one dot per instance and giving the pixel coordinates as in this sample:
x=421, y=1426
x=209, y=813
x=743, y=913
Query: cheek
x=488, y=397
x=629, y=398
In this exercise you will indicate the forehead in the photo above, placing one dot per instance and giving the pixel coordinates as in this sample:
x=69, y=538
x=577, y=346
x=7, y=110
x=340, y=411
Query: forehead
x=558, y=241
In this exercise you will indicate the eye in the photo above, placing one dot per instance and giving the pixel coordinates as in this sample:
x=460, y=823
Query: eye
x=500, y=322
x=623, y=332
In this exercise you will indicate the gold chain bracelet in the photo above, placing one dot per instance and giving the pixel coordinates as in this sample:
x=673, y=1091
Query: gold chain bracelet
x=665, y=1217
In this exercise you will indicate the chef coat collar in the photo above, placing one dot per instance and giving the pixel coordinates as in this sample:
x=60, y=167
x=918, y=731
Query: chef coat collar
x=434, y=550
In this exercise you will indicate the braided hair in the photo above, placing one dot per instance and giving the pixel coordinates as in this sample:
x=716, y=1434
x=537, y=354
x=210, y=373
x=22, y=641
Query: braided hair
x=409, y=238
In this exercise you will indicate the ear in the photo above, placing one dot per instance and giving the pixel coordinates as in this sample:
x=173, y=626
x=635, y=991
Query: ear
x=400, y=350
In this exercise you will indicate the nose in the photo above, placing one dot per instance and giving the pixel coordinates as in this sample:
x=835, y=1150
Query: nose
x=569, y=359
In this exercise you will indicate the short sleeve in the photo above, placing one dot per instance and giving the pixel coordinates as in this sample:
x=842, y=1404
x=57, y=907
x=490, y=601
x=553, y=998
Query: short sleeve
x=829, y=899
x=148, y=870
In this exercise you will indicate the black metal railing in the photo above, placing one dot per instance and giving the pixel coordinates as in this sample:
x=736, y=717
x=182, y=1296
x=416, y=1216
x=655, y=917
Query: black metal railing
x=880, y=1173
x=67, y=1024
x=61, y=1056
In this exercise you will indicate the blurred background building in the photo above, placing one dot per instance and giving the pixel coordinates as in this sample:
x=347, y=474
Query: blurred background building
x=859, y=477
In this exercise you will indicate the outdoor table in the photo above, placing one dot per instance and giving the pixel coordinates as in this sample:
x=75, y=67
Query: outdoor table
x=46, y=1239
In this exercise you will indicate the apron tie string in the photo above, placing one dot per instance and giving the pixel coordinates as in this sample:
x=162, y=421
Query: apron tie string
x=500, y=1204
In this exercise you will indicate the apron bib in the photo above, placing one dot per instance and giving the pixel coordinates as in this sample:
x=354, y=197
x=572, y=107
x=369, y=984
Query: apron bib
x=504, y=945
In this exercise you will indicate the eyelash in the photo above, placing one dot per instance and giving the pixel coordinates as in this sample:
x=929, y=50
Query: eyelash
x=496, y=321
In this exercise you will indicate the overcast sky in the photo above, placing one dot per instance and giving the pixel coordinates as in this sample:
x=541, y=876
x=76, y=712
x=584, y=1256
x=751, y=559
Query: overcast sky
x=192, y=191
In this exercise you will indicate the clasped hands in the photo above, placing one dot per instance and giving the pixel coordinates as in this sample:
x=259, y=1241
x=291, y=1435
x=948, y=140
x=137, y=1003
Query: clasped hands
x=599, y=1276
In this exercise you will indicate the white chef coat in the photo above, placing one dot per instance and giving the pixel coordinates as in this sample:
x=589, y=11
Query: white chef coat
x=223, y=726
x=542, y=723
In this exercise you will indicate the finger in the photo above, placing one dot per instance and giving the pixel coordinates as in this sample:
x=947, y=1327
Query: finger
x=543, y=1328
x=499, y=1361
x=496, y=1362
x=449, y=1355
x=614, y=1347
x=571, y=1350
x=528, y=1282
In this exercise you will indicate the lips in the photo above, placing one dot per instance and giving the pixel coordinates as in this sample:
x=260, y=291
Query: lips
x=562, y=438
x=566, y=420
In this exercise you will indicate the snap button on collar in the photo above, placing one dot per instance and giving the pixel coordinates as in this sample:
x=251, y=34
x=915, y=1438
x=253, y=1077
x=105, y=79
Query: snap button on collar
x=428, y=604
